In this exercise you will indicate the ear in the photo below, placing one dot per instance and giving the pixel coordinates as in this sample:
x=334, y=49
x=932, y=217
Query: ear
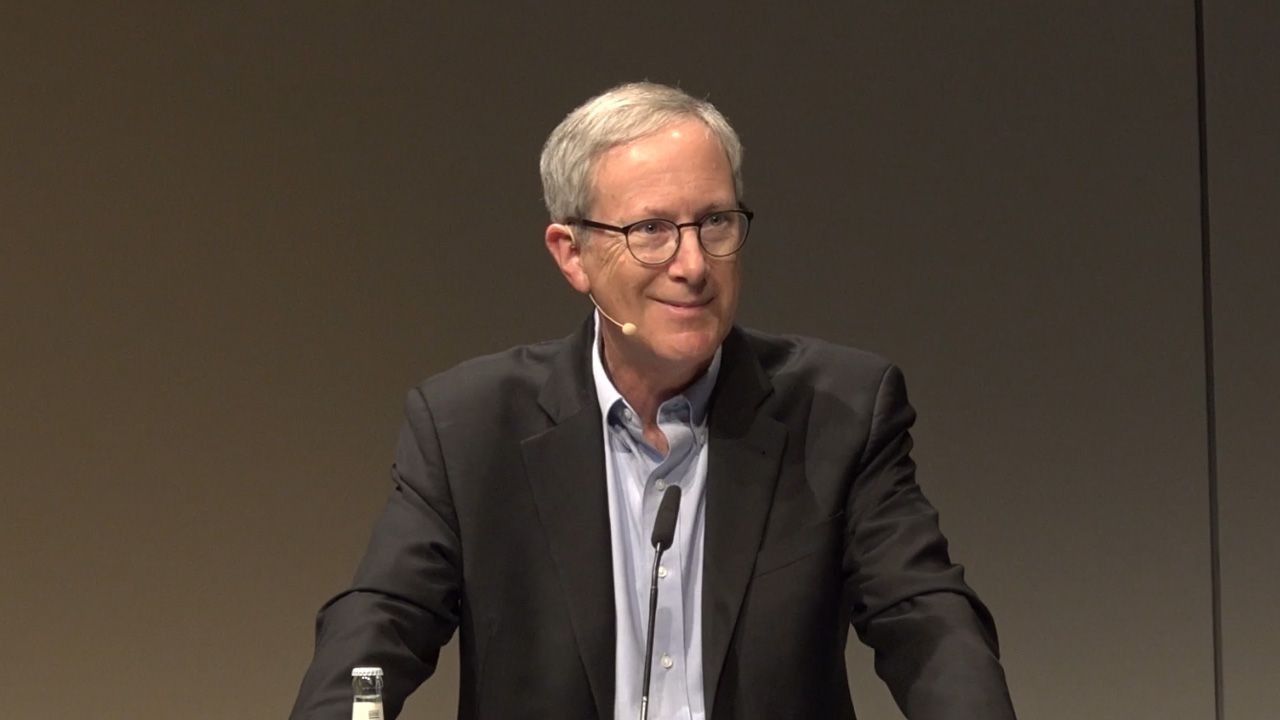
x=567, y=253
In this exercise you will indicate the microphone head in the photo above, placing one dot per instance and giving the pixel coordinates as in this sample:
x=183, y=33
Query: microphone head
x=664, y=525
x=628, y=329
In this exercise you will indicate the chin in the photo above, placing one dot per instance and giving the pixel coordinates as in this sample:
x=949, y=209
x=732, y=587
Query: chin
x=689, y=348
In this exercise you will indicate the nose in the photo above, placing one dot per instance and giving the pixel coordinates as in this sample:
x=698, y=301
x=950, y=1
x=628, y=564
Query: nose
x=690, y=263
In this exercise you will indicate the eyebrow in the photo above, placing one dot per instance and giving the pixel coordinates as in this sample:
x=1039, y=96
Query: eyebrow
x=703, y=211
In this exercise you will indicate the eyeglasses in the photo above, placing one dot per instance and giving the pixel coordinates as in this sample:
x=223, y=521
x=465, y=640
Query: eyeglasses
x=655, y=241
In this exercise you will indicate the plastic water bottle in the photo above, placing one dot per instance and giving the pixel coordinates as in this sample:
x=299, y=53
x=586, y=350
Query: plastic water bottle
x=366, y=685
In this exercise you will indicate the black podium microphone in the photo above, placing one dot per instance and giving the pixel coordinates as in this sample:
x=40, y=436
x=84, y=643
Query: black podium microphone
x=664, y=532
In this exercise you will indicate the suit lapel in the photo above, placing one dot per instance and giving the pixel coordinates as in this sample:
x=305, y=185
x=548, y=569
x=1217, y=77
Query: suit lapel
x=742, y=470
x=566, y=470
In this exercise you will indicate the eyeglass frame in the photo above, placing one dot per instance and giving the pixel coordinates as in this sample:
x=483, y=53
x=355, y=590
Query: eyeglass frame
x=697, y=225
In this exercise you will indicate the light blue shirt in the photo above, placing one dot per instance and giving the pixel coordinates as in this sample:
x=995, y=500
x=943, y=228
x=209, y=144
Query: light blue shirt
x=636, y=476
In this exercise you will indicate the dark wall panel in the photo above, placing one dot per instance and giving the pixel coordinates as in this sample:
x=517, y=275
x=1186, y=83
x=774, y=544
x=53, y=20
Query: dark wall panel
x=1243, y=63
x=230, y=237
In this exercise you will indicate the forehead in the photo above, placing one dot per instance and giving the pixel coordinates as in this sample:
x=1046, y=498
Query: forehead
x=683, y=162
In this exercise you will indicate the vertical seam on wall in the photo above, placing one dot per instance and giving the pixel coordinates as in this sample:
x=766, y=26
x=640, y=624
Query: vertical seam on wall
x=1211, y=430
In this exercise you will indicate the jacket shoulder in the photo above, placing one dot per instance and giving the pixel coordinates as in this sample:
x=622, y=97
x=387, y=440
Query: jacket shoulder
x=788, y=359
x=512, y=376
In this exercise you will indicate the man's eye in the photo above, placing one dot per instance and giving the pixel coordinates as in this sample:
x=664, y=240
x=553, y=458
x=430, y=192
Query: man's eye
x=648, y=228
x=713, y=220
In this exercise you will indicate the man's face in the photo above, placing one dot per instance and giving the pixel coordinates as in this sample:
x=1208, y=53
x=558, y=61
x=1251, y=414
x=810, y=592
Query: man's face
x=684, y=308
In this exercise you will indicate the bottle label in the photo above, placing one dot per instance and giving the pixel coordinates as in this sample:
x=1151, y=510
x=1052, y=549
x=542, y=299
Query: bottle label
x=361, y=710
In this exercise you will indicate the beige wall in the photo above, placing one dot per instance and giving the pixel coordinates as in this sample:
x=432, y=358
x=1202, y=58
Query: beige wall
x=230, y=239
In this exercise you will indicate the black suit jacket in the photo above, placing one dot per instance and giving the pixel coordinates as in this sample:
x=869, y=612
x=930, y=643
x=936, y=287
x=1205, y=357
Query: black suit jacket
x=498, y=527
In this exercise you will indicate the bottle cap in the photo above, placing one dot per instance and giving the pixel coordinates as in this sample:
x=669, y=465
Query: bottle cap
x=366, y=672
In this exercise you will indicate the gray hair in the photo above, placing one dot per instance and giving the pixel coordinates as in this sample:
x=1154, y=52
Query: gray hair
x=619, y=116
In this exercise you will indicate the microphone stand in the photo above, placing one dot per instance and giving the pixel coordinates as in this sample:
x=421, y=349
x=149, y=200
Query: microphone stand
x=648, y=643
x=664, y=530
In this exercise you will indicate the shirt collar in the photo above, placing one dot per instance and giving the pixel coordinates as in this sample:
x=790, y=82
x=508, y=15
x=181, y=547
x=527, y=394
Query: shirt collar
x=698, y=395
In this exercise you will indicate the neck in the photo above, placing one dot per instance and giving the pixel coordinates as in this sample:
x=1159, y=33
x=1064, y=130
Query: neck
x=645, y=383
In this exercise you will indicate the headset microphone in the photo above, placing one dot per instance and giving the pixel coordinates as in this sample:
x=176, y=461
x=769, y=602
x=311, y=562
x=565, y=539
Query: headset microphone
x=628, y=329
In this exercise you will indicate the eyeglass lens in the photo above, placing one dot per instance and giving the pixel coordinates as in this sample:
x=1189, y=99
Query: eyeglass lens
x=656, y=240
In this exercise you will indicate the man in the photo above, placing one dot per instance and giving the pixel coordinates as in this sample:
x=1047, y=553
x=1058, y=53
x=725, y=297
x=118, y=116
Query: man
x=526, y=483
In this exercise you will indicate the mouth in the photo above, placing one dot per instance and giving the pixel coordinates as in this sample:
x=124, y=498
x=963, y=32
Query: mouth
x=685, y=305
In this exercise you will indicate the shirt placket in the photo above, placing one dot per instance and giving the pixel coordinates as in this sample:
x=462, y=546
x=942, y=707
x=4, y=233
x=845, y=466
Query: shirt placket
x=669, y=695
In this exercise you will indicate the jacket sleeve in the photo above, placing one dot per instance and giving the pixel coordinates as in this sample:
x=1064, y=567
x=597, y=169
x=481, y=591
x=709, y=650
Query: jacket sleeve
x=403, y=604
x=934, y=641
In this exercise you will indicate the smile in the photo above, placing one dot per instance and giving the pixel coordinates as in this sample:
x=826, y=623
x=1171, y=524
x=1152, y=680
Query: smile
x=684, y=307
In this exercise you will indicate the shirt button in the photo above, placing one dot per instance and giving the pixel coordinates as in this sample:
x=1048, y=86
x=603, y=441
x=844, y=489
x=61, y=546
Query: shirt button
x=662, y=571
x=626, y=413
x=667, y=662
x=661, y=484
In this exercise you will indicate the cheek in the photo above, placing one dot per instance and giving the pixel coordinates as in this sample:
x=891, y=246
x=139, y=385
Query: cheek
x=633, y=282
x=728, y=281
x=611, y=277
